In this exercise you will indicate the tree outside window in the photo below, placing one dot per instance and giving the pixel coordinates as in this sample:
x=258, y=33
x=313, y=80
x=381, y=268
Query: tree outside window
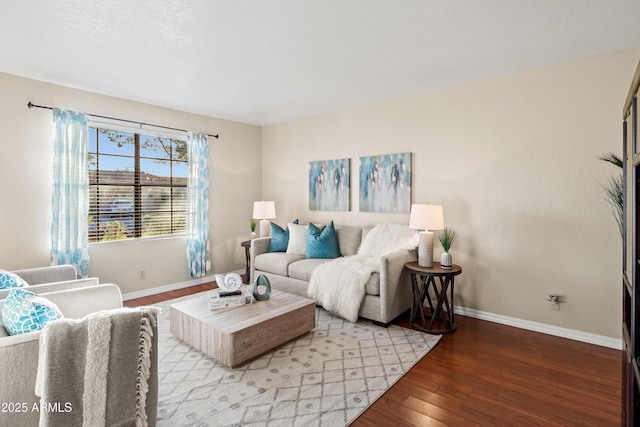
x=137, y=185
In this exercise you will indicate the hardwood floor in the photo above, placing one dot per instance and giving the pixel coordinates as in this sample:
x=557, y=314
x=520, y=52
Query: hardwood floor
x=486, y=374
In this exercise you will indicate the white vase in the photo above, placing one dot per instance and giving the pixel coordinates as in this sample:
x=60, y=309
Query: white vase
x=445, y=260
x=253, y=235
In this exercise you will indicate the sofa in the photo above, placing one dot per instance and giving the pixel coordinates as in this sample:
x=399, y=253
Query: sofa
x=388, y=291
x=75, y=298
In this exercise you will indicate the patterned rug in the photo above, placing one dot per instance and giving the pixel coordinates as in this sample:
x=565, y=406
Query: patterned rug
x=326, y=377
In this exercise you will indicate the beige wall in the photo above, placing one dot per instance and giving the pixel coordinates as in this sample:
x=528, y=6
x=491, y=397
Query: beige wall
x=25, y=188
x=514, y=162
x=512, y=159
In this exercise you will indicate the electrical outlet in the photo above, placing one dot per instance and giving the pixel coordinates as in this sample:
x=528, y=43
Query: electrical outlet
x=142, y=274
x=555, y=300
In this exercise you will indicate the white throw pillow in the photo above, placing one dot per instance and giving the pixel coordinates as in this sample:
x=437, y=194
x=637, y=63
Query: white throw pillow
x=297, y=239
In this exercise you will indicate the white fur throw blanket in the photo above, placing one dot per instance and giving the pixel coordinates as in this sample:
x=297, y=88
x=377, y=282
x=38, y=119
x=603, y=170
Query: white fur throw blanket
x=339, y=285
x=98, y=368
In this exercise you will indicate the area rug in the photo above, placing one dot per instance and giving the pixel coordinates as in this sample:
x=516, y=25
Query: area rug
x=326, y=377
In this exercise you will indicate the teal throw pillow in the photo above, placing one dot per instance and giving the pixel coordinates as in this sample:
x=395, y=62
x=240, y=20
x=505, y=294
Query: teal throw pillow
x=10, y=280
x=279, y=238
x=24, y=311
x=322, y=243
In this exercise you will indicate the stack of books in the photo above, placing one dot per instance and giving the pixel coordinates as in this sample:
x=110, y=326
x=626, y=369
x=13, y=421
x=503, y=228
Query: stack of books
x=220, y=299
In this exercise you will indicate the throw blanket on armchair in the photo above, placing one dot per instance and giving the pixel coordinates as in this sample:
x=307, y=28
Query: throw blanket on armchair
x=98, y=369
x=339, y=285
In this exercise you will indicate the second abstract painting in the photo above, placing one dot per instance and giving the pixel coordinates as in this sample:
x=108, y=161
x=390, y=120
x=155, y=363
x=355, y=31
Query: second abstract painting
x=385, y=183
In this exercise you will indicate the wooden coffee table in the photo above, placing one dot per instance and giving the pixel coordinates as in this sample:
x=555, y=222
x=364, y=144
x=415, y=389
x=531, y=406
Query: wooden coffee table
x=237, y=334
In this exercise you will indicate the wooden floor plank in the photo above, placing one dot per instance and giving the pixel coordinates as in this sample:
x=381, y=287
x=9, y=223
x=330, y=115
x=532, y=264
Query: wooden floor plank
x=486, y=374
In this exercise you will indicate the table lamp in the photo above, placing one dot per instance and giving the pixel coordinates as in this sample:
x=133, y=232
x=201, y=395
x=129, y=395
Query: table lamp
x=426, y=217
x=264, y=211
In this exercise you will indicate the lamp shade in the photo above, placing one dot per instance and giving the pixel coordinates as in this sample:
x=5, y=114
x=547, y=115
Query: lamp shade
x=264, y=210
x=426, y=217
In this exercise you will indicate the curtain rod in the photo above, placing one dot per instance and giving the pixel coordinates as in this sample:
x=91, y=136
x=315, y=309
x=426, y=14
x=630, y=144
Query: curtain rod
x=32, y=105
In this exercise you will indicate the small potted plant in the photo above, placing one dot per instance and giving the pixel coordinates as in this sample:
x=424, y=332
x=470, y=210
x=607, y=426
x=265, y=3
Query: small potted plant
x=252, y=224
x=446, y=240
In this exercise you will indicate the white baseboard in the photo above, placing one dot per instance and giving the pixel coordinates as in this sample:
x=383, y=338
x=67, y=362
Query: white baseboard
x=171, y=287
x=543, y=328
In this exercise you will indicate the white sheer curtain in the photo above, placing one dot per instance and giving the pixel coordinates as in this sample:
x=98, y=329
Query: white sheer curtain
x=198, y=249
x=70, y=200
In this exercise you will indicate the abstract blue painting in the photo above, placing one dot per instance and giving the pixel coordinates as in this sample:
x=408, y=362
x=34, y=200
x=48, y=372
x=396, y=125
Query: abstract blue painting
x=329, y=186
x=385, y=183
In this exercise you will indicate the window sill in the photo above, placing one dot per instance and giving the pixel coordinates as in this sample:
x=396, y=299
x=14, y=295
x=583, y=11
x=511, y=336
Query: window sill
x=132, y=240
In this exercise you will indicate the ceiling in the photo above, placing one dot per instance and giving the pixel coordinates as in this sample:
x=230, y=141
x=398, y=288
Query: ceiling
x=266, y=62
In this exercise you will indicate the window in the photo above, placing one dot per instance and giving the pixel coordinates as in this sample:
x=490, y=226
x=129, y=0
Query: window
x=137, y=185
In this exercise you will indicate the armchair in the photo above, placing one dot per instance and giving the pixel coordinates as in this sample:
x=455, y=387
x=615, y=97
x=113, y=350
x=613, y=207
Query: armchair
x=50, y=279
x=20, y=352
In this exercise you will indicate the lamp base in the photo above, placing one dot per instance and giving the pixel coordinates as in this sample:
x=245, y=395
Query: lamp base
x=425, y=249
x=265, y=228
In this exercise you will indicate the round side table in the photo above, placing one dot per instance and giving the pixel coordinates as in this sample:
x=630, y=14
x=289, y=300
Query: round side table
x=426, y=287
